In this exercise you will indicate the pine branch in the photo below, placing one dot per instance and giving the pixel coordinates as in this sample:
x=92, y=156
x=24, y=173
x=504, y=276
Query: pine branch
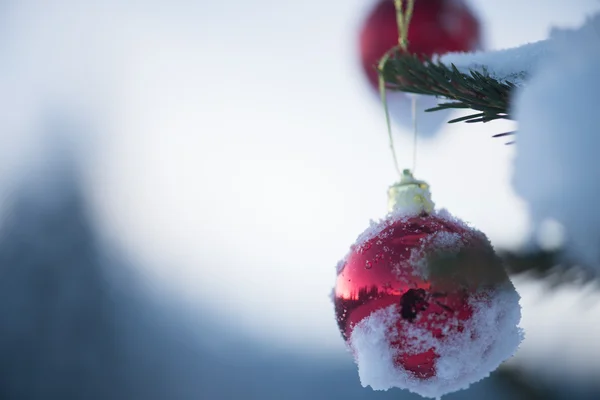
x=552, y=267
x=476, y=91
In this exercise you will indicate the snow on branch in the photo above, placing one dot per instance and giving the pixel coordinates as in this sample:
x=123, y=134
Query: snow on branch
x=556, y=168
x=481, y=81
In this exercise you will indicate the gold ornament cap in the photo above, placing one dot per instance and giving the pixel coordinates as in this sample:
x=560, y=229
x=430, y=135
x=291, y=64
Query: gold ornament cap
x=410, y=195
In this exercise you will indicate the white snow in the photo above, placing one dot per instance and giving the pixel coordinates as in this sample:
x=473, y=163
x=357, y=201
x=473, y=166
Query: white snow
x=444, y=214
x=517, y=65
x=490, y=337
x=556, y=167
x=410, y=196
x=514, y=65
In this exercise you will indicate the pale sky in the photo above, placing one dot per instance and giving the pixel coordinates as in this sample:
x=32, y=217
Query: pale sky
x=235, y=148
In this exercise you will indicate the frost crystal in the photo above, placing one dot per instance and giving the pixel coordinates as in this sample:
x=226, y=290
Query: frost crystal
x=556, y=168
x=490, y=337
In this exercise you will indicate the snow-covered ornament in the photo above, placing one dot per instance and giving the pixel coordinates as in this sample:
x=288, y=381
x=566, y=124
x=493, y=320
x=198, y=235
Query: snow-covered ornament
x=422, y=300
x=436, y=27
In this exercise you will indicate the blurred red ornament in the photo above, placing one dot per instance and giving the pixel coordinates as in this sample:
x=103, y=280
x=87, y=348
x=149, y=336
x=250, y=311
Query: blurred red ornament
x=436, y=27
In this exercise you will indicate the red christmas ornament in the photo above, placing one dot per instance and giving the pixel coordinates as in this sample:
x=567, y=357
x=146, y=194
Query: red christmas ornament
x=382, y=272
x=422, y=300
x=436, y=27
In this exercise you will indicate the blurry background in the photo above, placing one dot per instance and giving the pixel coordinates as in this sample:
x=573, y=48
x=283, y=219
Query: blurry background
x=178, y=180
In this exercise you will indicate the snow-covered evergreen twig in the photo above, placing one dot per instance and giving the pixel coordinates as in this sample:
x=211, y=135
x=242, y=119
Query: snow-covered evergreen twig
x=474, y=90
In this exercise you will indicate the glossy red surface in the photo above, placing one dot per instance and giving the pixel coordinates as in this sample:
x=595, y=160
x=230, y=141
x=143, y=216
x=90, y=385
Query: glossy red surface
x=381, y=272
x=436, y=27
